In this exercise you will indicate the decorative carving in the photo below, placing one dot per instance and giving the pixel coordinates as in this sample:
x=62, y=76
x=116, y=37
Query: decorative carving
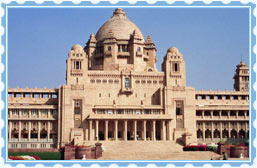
x=77, y=87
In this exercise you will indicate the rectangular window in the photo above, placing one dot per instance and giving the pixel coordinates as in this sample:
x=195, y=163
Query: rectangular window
x=120, y=111
x=100, y=111
x=138, y=111
x=127, y=83
x=156, y=111
x=43, y=112
x=147, y=111
x=77, y=65
x=128, y=111
x=77, y=106
x=15, y=112
x=25, y=112
x=110, y=111
x=34, y=112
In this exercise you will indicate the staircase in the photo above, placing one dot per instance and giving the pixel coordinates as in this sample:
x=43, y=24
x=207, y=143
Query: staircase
x=139, y=150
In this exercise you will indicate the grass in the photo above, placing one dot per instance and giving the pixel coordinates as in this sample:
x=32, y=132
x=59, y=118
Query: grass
x=42, y=155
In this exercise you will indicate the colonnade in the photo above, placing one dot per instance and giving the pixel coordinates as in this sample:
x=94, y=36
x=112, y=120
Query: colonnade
x=129, y=130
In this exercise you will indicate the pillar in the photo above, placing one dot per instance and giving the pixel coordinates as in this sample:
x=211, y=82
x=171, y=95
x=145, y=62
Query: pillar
x=229, y=133
x=29, y=134
x=38, y=130
x=10, y=130
x=202, y=113
x=212, y=131
x=169, y=130
x=116, y=130
x=135, y=130
x=237, y=114
x=204, y=131
x=48, y=130
x=153, y=131
x=90, y=130
x=228, y=114
x=237, y=131
x=96, y=130
x=211, y=113
x=245, y=112
x=220, y=130
x=125, y=130
x=19, y=135
x=163, y=133
x=48, y=113
x=220, y=114
x=144, y=130
x=106, y=130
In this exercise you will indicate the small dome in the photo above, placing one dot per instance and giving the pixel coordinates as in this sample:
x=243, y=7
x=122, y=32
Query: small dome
x=77, y=47
x=120, y=26
x=172, y=50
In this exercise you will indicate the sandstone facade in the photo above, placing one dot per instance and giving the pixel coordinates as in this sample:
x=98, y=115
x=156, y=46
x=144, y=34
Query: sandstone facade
x=114, y=92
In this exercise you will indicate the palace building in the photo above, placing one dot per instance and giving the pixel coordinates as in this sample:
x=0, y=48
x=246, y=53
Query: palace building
x=114, y=92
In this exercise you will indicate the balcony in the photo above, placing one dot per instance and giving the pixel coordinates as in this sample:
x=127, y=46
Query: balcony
x=123, y=54
x=146, y=57
x=99, y=55
x=108, y=53
x=139, y=53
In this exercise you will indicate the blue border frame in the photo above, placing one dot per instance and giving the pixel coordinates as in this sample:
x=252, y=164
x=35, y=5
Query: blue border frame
x=162, y=163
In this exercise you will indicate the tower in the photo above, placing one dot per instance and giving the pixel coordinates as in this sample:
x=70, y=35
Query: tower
x=241, y=77
x=77, y=65
x=174, y=68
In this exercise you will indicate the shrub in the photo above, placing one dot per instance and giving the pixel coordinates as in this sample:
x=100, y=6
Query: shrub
x=195, y=148
x=41, y=155
x=212, y=148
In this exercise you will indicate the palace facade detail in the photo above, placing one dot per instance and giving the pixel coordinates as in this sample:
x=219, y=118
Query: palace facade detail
x=114, y=92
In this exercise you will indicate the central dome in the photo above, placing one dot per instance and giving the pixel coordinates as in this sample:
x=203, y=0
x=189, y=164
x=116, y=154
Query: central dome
x=120, y=26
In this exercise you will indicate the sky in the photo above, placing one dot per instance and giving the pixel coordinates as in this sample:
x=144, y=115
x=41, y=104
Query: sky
x=212, y=41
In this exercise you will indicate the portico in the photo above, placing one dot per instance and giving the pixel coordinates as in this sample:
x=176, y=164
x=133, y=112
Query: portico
x=129, y=130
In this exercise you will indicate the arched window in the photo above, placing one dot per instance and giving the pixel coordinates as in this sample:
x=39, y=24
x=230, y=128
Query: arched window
x=109, y=48
x=176, y=67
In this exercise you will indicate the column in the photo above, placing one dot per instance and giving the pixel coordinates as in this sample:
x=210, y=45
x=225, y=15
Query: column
x=90, y=130
x=48, y=130
x=220, y=130
x=19, y=135
x=29, y=113
x=29, y=134
x=236, y=114
x=228, y=114
x=204, y=131
x=48, y=113
x=245, y=114
x=211, y=113
x=125, y=130
x=237, y=129
x=202, y=113
x=163, y=131
x=169, y=131
x=10, y=130
x=116, y=130
x=135, y=130
x=229, y=134
x=144, y=130
x=38, y=130
x=212, y=131
x=10, y=113
x=154, y=134
x=106, y=130
x=19, y=113
x=96, y=129
x=220, y=114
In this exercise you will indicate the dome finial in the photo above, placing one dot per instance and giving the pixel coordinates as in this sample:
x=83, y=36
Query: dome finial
x=118, y=12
